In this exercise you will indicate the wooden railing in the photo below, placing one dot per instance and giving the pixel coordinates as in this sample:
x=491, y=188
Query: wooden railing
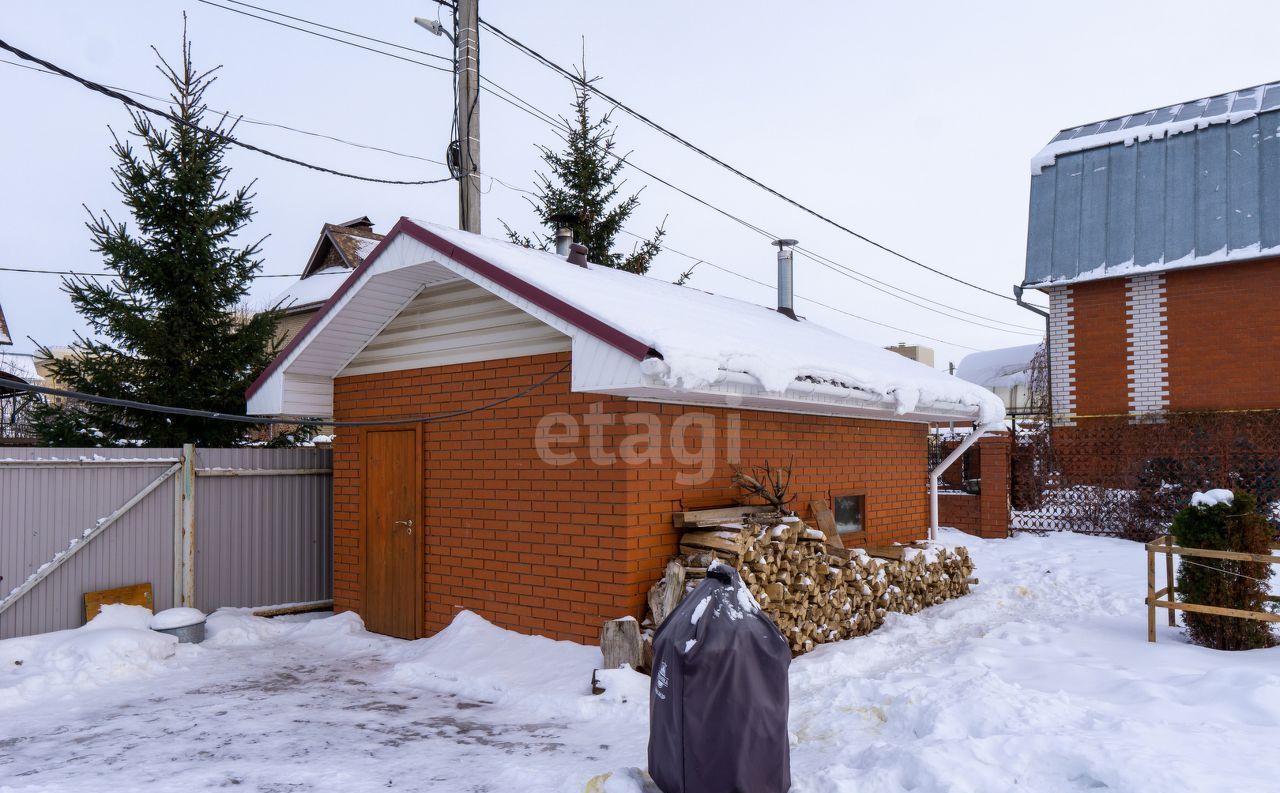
x=1164, y=545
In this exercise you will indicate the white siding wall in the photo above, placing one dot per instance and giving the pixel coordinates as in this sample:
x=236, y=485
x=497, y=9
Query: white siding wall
x=456, y=322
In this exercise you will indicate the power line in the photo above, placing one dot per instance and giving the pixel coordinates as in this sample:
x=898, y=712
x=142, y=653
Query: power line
x=331, y=38
x=545, y=61
x=113, y=275
x=499, y=92
x=248, y=120
x=337, y=30
x=151, y=407
x=223, y=136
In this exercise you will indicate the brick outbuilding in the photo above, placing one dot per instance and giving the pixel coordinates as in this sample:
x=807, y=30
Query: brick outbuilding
x=541, y=422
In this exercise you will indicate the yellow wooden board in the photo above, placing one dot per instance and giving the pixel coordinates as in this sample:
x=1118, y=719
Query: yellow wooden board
x=133, y=595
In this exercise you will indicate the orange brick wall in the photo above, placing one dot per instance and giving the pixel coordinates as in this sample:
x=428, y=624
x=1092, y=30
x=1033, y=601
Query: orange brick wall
x=1224, y=336
x=557, y=550
x=1223, y=340
x=1100, y=339
x=986, y=514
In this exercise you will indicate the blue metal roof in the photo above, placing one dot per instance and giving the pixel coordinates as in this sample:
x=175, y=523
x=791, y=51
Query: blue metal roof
x=1185, y=185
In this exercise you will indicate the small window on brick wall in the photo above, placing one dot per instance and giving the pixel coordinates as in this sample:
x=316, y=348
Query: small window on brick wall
x=850, y=510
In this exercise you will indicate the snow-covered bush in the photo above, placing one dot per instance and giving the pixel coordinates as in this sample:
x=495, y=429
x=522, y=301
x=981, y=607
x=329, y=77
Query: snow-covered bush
x=1221, y=520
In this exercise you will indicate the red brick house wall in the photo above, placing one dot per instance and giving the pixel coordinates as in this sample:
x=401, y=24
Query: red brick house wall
x=1100, y=348
x=1222, y=328
x=557, y=550
x=1224, y=336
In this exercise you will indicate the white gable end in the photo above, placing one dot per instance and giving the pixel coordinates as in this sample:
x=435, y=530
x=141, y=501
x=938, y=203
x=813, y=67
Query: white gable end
x=456, y=322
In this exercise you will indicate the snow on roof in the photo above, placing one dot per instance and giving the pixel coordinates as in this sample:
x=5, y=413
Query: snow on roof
x=364, y=245
x=4, y=329
x=21, y=365
x=1228, y=108
x=1003, y=368
x=312, y=290
x=700, y=335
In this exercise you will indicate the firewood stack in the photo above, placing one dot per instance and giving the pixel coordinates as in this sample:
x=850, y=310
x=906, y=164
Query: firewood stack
x=814, y=591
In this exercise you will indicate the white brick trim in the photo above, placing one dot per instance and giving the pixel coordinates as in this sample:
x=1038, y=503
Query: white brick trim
x=1148, y=344
x=1062, y=365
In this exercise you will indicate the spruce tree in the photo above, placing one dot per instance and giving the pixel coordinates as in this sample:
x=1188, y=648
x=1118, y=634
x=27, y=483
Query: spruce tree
x=168, y=327
x=1235, y=525
x=583, y=185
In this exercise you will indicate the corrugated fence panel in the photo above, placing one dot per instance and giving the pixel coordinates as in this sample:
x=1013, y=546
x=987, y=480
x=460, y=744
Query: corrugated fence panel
x=285, y=520
x=260, y=539
x=43, y=507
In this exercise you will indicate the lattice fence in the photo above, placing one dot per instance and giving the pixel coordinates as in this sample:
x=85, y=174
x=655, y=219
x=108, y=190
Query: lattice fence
x=1128, y=476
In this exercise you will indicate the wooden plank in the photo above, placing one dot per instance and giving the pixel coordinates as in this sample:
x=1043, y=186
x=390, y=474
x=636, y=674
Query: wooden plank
x=1235, y=556
x=296, y=608
x=132, y=595
x=711, y=517
x=826, y=520
x=1169, y=586
x=1263, y=616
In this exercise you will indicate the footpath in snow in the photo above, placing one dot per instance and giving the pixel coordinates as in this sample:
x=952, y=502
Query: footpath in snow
x=1041, y=680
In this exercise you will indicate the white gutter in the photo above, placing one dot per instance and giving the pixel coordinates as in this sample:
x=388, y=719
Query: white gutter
x=977, y=433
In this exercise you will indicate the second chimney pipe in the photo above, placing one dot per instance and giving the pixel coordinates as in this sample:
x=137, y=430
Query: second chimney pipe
x=786, y=278
x=564, y=238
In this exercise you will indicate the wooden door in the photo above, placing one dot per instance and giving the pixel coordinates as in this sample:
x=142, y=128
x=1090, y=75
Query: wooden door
x=393, y=531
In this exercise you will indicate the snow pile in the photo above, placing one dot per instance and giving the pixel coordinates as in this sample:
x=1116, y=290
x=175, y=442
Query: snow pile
x=176, y=618
x=623, y=685
x=1039, y=680
x=476, y=659
x=116, y=645
x=341, y=634
x=702, y=336
x=1212, y=498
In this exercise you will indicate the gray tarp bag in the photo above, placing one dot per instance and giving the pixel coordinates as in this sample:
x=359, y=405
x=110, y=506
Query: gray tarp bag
x=718, y=697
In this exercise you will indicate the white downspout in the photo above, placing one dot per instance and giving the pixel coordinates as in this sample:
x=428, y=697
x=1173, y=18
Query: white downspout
x=977, y=433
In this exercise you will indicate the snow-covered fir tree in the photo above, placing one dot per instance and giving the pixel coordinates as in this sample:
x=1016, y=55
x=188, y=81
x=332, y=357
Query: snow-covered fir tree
x=167, y=327
x=584, y=185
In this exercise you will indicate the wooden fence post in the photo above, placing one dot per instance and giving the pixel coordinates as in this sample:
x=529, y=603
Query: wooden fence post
x=1151, y=595
x=1168, y=576
x=187, y=528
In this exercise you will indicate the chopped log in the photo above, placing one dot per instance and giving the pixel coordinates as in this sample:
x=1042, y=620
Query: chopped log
x=665, y=595
x=713, y=541
x=620, y=643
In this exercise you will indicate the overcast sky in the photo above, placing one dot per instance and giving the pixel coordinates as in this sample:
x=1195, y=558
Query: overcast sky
x=912, y=123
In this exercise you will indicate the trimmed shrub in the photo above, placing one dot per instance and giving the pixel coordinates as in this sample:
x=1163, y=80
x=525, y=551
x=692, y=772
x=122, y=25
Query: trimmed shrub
x=1233, y=526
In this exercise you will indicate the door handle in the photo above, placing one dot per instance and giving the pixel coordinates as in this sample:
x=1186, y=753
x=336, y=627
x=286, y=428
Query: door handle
x=408, y=525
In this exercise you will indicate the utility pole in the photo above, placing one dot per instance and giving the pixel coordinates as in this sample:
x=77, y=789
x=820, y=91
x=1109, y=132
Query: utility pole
x=468, y=55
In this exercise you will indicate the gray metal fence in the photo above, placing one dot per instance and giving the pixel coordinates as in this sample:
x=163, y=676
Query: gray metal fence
x=209, y=528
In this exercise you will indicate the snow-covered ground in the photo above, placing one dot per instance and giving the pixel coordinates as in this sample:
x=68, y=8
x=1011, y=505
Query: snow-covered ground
x=1041, y=680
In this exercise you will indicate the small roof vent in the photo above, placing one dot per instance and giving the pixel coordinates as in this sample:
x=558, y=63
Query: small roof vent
x=578, y=254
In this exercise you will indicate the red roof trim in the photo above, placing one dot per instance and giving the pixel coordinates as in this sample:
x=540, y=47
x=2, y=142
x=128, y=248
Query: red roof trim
x=544, y=300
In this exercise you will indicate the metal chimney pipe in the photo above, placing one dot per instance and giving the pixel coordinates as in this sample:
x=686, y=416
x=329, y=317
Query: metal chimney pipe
x=564, y=238
x=786, y=278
